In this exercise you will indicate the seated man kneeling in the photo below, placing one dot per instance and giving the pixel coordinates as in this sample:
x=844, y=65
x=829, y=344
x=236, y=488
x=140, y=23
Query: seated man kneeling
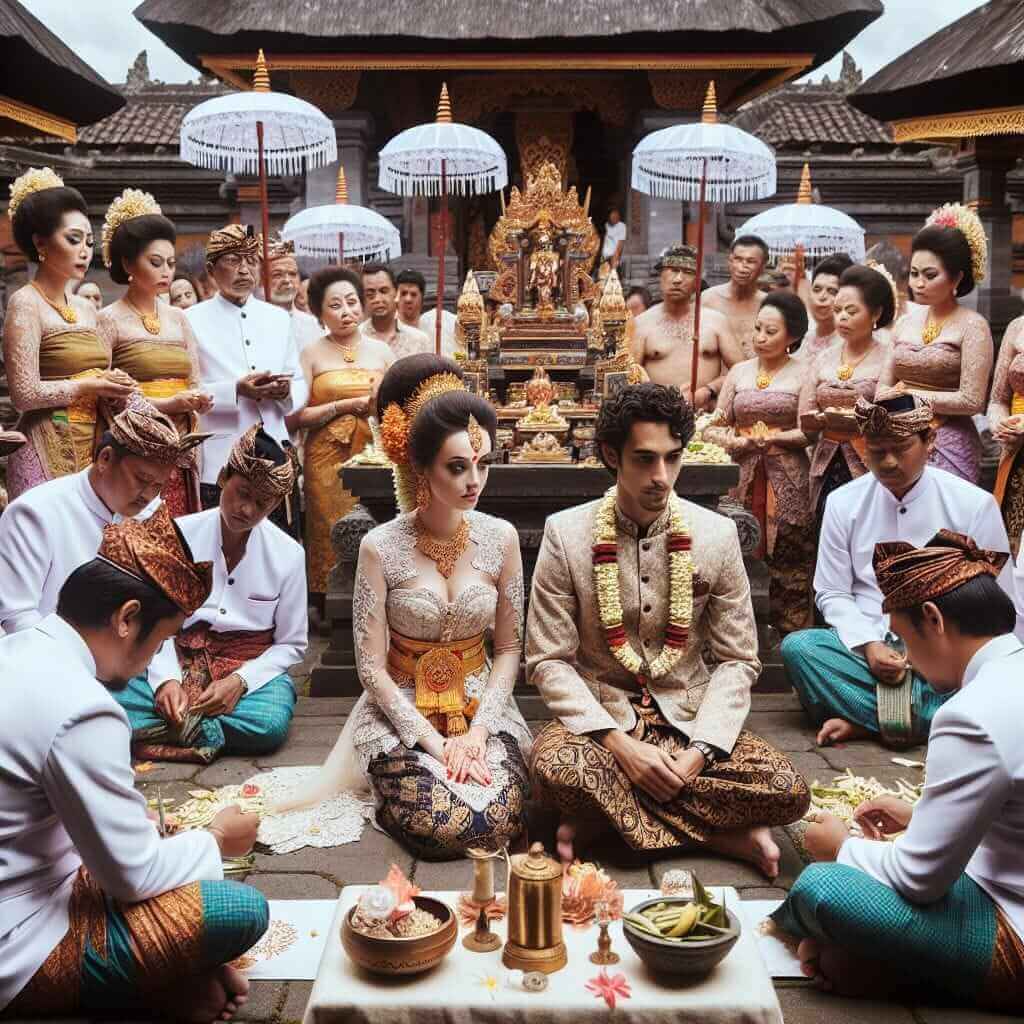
x=942, y=906
x=627, y=594
x=222, y=685
x=849, y=678
x=97, y=912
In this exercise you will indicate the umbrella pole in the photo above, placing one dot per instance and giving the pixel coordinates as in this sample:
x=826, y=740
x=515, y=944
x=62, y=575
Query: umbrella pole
x=341, y=248
x=440, y=266
x=264, y=211
x=700, y=274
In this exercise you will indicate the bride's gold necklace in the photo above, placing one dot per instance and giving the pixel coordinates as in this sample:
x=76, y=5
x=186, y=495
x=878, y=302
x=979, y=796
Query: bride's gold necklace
x=846, y=368
x=445, y=554
x=151, y=321
x=67, y=312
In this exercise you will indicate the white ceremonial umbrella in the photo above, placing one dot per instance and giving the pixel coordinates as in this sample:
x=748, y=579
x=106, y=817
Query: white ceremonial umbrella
x=438, y=158
x=808, y=227
x=699, y=163
x=255, y=133
x=340, y=230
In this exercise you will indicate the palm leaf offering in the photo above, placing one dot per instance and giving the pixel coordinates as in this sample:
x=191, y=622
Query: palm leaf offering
x=682, y=920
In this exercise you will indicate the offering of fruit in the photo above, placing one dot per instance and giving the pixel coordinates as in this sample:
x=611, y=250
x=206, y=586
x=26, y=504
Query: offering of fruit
x=682, y=920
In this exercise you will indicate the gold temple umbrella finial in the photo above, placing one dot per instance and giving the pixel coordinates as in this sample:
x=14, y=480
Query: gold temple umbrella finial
x=710, y=113
x=444, y=106
x=805, y=196
x=341, y=192
x=261, y=80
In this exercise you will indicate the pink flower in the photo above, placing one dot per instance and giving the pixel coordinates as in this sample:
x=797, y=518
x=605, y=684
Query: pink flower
x=250, y=789
x=607, y=987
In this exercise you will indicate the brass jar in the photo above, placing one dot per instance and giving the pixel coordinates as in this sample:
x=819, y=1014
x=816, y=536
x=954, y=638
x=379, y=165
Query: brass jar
x=534, y=913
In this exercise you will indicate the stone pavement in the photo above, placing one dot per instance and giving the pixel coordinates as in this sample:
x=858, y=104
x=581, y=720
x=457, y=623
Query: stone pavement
x=320, y=874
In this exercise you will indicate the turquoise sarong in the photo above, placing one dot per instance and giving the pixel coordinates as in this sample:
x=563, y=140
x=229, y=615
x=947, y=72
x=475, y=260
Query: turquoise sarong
x=257, y=725
x=834, y=682
x=947, y=945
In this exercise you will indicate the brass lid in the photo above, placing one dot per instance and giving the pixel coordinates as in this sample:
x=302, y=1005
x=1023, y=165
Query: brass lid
x=537, y=865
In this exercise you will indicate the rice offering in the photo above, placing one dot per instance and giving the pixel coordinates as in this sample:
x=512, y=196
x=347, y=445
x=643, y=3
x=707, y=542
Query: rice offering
x=389, y=911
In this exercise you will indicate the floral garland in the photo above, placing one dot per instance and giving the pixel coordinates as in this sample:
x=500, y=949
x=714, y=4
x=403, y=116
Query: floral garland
x=605, y=556
x=966, y=221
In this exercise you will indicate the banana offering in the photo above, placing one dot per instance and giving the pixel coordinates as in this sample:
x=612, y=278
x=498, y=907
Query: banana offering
x=679, y=921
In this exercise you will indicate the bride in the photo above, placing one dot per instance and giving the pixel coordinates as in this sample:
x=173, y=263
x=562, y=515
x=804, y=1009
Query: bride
x=437, y=618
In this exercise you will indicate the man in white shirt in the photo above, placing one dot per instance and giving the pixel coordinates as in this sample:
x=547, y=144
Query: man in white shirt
x=941, y=907
x=412, y=287
x=851, y=681
x=52, y=529
x=248, y=359
x=222, y=684
x=97, y=911
x=614, y=238
x=284, y=291
x=381, y=304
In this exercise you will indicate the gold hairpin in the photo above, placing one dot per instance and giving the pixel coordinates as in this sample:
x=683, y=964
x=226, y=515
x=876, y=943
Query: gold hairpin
x=476, y=434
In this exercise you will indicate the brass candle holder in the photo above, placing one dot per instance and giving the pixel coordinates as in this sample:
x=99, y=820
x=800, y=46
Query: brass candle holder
x=603, y=954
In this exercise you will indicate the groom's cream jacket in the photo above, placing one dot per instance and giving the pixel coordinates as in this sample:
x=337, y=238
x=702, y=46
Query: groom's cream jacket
x=567, y=657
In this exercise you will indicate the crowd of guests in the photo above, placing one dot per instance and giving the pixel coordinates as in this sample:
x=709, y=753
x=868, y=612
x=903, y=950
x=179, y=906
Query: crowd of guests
x=155, y=597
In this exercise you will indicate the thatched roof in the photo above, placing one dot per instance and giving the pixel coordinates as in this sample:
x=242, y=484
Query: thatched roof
x=195, y=27
x=973, y=64
x=39, y=69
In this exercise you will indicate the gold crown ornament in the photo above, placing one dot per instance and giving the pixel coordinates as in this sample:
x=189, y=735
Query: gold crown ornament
x=35, y=179
x=131, y=203
x=965, y=220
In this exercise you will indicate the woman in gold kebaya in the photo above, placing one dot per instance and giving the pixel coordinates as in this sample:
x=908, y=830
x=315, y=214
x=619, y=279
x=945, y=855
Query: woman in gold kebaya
x=1006, y=420
x=58, y=367
x=150, y=340
x=437, y=619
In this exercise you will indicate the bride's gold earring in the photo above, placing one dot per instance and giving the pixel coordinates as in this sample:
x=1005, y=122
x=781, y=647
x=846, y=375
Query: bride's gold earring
x=422, y=493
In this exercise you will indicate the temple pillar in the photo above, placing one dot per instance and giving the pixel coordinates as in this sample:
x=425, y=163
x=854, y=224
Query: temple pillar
x=354, y=131
x=985, y=163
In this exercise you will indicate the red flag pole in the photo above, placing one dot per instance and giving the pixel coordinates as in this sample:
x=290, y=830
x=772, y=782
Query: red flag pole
x=440, y=266
x=264, y=212
x=700, y=274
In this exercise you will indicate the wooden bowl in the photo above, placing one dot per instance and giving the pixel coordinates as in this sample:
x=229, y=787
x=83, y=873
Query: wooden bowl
x=403, y=956
x=683, y=959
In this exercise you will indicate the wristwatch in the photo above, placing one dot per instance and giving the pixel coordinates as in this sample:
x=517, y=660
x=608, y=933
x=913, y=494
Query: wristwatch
x=710, y=757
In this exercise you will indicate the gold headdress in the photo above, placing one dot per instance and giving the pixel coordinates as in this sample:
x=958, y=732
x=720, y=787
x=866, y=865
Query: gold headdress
x=35, y=179
x=131, y=203
x=965, y=220
x=881, y=268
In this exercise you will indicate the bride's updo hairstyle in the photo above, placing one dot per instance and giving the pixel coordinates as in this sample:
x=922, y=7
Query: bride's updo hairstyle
x=423, y=387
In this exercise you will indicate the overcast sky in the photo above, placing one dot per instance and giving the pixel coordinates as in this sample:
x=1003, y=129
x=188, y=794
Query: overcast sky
x=106, y=35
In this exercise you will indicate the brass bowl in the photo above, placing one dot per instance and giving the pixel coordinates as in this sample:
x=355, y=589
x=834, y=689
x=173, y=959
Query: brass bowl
x=403, y=956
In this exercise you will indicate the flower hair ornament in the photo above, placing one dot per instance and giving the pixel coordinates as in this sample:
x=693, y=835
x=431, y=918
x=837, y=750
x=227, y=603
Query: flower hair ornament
x=33, y=180
x=965, y=220
x=396, y=423
x=131, y=203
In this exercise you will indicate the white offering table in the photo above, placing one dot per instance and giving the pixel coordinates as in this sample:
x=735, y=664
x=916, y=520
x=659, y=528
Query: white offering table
x=738, y=991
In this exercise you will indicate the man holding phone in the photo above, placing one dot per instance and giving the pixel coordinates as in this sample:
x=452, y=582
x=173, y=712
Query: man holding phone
x=248, y=360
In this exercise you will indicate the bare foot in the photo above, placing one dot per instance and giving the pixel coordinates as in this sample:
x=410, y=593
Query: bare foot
x=835, y=969
x=216, y=995
x=750, y=844
x=838, y=730
x=573, y=837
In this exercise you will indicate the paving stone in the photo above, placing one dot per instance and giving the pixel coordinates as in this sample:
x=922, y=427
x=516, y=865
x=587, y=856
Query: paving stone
x=711, y=869
x=322, y=707
x=294, y=1008
x=362, y=863
x=167, y=771
x=810, y=764
x=449, y=874
x=774, y=702
x=938, y=1015
x=803, y=1005
x=230, y=771
x=864, y=753
x=293, y=887
x=311, y=732
x=264, y=999
x=764, y=893
x=290, y=756
x=787, y=730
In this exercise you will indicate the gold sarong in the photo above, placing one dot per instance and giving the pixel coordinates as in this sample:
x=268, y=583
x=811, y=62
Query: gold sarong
x=438, y=671
x=1008, y=458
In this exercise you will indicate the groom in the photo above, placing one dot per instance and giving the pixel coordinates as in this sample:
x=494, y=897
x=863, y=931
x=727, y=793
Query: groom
x=628, y=594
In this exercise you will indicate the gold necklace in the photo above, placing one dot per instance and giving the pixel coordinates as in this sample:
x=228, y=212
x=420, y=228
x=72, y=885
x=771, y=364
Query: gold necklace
x=933, y=328
x=764, y=378
x=845, y=371
x=67, y=312
x=445, y=554
x=151, y=321
x=348, y=352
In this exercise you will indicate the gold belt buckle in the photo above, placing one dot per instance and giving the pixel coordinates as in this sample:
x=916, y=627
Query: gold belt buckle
x=440, y=670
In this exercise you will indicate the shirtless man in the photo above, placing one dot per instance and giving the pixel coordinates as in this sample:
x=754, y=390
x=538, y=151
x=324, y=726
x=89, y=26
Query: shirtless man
x=740, y=299
x=663, y=335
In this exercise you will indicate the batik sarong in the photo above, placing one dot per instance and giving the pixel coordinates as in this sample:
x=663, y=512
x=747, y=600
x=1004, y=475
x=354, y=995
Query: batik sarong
x=961, y=946
x=439, y=819
x=258, y=724
x=122, y=956
x=834, y=682
x=756, y=785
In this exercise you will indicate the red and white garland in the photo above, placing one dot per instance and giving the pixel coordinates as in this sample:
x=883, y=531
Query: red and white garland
x=609, y=599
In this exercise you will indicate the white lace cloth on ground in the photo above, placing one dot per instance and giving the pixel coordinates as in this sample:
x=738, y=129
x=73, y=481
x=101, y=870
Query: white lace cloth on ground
x=337, y=820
